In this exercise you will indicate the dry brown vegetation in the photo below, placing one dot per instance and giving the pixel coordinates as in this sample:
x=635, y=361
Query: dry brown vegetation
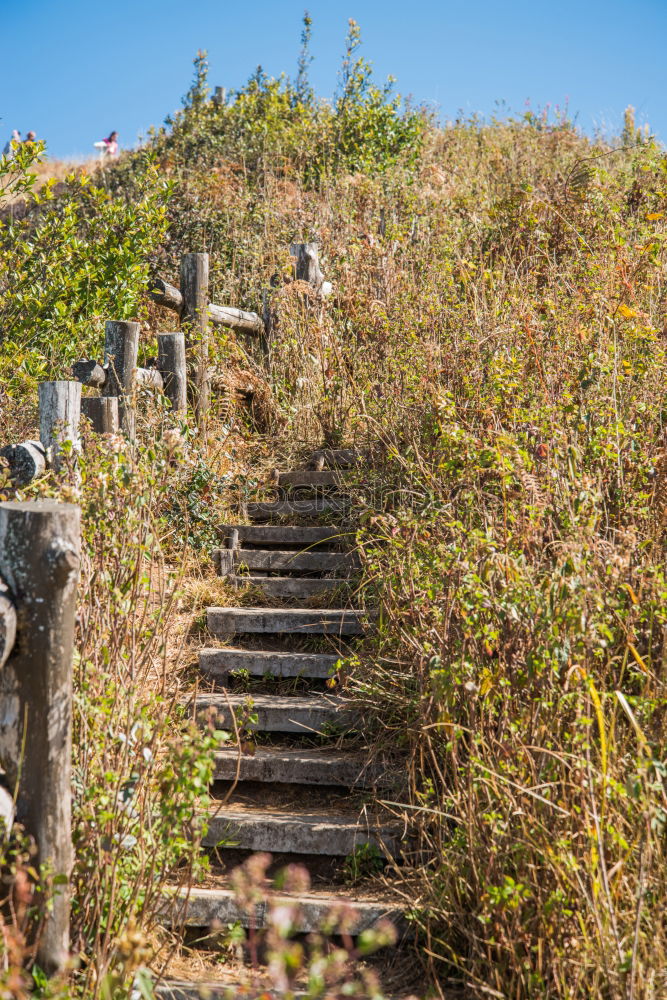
x=497, y=325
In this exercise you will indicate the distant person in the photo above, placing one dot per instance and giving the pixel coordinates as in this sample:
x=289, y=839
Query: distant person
x=30, y=137
x=8, y=151
x=108, y=147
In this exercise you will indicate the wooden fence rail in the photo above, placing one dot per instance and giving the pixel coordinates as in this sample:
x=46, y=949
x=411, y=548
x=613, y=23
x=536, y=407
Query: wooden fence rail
x=235, y=319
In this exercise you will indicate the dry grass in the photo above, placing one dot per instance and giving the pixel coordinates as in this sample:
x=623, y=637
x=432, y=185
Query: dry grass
x=497, y=324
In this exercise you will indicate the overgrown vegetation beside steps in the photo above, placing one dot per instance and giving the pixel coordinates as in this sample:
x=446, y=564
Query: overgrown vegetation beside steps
x=497, y=323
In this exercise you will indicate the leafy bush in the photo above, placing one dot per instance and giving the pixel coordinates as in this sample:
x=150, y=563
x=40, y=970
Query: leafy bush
x=72, y=258
x=274, y=122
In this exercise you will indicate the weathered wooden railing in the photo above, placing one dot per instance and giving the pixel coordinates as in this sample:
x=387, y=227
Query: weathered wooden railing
x=39, y=568
x=118, y=375
x=59, y=413
x=191, y=302
x=235, y=319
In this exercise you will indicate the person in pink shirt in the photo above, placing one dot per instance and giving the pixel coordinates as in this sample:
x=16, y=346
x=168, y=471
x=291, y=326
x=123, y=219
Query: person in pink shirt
x=108, y=147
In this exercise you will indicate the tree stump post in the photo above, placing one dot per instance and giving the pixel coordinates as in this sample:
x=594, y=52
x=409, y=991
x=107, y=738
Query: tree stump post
x=307, y=264
x=39, y=562
x=121, y=348
x=59, y=415
x=102, y=411
x=194, y=319
x=172, y=367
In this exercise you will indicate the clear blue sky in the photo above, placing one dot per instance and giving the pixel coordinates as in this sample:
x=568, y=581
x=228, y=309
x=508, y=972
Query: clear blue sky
x=74, y=69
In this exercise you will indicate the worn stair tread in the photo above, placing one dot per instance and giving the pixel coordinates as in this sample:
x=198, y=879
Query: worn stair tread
x=303, y=714
x=193, y=989
x=301, y=621
x=305, y=477
x=296, y=766
x=204, y=907
x=340, y=458
x=299, y=832
x=288, y=586
x=188, y=989
x=264, y=510
x=218, y=663
x=286, y=534
x=308, y=562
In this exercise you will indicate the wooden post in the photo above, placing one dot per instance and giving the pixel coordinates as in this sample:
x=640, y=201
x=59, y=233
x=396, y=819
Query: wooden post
x=266, y=335
x=26, y=461
x=7, y=624
x=7, y=810
x=59, y=415
x=121, y=347
x=102, y=411
x=7, y=640
x=307, y=264
x=171, y=364
x=39, y=561
x=194, y=318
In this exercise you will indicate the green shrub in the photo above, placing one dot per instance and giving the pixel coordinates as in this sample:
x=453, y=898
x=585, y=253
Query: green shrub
x=77, y=258
x=273, y=123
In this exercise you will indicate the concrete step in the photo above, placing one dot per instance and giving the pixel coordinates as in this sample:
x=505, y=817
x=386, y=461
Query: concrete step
x=302, y=714
x=219, y=663
x=296, y=767
x=264, y=511
x=304, y=478
x=287, y=535
x=218, y=907
x=329, y=834
x=288, y=586
x=338, y=458
x=293, y=562
x=182, y=989
x=300, y=621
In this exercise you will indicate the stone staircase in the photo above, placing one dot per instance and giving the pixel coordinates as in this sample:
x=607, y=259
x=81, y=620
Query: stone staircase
x=304, y=793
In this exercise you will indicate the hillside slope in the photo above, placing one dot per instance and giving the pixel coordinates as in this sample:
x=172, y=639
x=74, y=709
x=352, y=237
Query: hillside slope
x=497, y=326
